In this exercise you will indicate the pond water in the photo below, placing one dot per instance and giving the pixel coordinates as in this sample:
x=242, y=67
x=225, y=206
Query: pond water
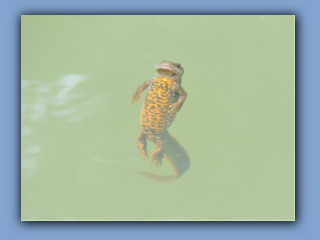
x=79, y=154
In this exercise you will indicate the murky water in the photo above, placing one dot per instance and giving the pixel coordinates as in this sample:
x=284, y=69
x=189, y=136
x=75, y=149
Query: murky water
x=79, y=156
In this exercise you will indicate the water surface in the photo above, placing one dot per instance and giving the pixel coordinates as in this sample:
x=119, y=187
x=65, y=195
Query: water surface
x=79, y=156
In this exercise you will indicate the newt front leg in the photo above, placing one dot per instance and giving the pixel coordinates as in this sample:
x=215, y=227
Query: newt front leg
x=174, y=108
x=137, y=95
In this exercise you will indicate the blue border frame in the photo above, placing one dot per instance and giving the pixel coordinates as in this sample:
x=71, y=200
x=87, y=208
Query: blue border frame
x=307, y=122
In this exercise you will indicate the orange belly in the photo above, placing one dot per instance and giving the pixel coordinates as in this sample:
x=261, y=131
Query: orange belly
x=154, y=115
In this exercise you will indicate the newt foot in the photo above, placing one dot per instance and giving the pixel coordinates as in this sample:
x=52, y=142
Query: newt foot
x=143, y=150
x=157, y=157
x=136, y=98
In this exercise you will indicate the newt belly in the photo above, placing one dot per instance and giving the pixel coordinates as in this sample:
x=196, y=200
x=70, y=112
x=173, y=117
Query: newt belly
x=164, y=99
x=155, y=113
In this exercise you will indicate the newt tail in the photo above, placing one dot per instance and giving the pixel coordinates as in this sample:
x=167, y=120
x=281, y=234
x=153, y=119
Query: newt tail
x=176, y=156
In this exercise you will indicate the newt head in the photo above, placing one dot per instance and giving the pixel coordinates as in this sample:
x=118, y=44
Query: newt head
x=169, y=69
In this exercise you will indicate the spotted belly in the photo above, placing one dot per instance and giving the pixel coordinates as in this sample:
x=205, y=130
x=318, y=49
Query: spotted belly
x=154, y=115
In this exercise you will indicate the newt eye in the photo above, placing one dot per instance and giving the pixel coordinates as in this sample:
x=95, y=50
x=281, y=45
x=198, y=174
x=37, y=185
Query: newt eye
x=178, y=66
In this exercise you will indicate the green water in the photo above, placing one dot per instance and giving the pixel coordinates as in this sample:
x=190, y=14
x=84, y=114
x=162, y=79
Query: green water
x=79, y=156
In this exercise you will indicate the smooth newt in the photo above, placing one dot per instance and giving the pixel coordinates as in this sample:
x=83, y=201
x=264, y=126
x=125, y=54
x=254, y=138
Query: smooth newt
x=164, y=99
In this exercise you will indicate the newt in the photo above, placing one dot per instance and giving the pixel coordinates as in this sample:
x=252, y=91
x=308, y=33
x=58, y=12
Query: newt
x=164, y=99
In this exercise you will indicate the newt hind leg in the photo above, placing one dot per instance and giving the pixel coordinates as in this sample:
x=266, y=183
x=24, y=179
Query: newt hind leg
x=157, y=154
x=142, y=144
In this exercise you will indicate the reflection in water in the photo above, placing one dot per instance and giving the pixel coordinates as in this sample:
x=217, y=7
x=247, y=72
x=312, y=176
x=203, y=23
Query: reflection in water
x=176, y=156
x=66, y=84
x=40, y=101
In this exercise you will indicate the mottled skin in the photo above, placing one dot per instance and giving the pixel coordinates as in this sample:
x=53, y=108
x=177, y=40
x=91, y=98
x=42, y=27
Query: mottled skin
x=164, y=99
